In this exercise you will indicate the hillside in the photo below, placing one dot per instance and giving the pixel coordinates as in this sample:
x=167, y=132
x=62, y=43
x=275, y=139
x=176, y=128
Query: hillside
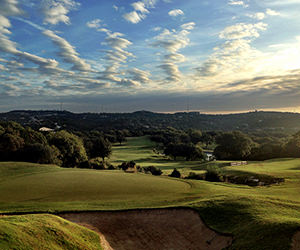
x=257, y=217
x=143, y=120
x=45, y=231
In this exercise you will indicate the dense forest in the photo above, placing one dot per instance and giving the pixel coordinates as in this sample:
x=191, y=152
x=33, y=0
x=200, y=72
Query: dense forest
x=85, y=148
x=276, y=123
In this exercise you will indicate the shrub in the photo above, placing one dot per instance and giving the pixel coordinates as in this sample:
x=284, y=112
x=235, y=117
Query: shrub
x=125, y=165
x=175, y=173
x=98, y=165
x=213, y=175
x=153, y=170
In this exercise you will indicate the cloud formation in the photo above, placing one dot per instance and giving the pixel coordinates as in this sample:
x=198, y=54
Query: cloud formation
x=176, y=12
x=158, y=56
x=263, y=15
x=172, y=42
x=96, y=23
x=10, y=8
x=118, y=55
x=67, y=52
x=236, y=53
x=56, y=11
x=243, y=30
x=238, y=3
x=45, y=66
x=140, y=10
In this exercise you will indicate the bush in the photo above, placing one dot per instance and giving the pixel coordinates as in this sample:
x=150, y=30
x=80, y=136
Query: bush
x=125, y=165
x=110, y=166
x=213, y=175
x=98, y=165
x=153, y=170
x=175, y=173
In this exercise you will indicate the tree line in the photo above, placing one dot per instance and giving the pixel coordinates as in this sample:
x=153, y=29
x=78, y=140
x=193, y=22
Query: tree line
x=63, y=148
x=234, y=145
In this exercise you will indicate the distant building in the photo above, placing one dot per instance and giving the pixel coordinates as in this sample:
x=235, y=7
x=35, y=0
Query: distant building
x=209, y=156
x=45, y=129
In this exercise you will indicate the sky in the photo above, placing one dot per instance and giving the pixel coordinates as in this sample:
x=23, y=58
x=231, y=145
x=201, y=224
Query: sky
x=214, y=56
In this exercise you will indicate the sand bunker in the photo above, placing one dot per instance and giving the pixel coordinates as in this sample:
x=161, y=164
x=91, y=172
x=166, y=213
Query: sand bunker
x=176, y=229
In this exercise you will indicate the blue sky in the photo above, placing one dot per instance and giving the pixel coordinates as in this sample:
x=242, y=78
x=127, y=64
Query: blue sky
x=159, y=55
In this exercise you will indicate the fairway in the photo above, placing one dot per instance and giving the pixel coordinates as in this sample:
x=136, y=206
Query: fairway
x=50, y=187
x=263, y=217
x=140, y=150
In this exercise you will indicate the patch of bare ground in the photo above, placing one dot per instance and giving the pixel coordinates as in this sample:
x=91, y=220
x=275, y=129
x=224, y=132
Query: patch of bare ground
x=176, y=229
x=296, y=241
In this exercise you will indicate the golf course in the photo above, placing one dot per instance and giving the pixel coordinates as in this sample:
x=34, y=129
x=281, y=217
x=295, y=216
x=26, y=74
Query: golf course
x=34, y=199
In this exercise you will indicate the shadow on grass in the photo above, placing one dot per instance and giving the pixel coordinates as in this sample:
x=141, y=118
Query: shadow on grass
x=238, y=217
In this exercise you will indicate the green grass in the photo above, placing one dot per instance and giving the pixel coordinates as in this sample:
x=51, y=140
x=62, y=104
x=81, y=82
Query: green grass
x=50, y=188
x=140, y=149
x=258, y=217
x=47, y=232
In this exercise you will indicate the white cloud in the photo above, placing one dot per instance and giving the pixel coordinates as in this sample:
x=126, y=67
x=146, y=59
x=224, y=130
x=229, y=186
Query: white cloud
x=172, y=42
x=140, y=10
x=188, y=26
x=176, y=12
x=138, y=75
x=68, y=52
x=262, y=15
x=7, y=46
x=10, y=8
x=134, y=17
x=56, y=11
x=140, y=6
x=238, y=3
x=242, y=30
x=94, y=23
x=258, y=15
x=235, y=57
x=271, y=12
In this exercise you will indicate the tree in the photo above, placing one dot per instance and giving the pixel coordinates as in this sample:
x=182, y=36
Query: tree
x=72, y=151
x=10, y=143
x=292, y=148
x=100, y=147
x=120, y=135
x=267, y=151
x=187, y=150
x=195, y=136
x=233, y=146
x=31, y=136
x=2, y=130
x=207, y=139
x=40, y=153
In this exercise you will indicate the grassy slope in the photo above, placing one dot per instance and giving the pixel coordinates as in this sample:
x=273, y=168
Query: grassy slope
x=258, y=217
x=140, y=149
x=47, y=232
x=50, y=188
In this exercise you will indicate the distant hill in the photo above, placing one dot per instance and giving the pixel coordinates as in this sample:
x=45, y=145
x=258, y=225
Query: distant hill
x=144, y=120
